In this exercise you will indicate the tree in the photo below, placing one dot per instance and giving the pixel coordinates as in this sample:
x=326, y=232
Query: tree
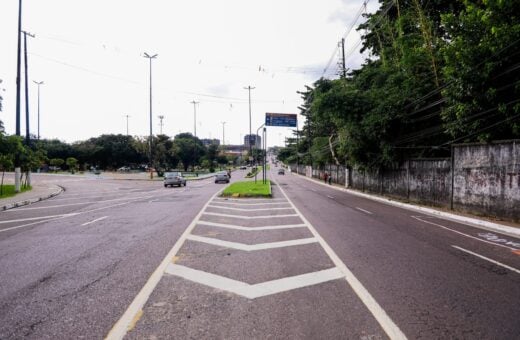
x=481, y=71
x=72, y=163
x=188, y=149
x=9, y=146
x=56, y=162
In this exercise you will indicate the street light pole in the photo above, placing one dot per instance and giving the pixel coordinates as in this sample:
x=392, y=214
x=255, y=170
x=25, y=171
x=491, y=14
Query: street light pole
x=249, y=88
x=194, y=117
x=27, y=130
x=127, y=116
x=17, y=170
x=161, y=117
x=38, y=83
x=223, y=135
x=146, y=55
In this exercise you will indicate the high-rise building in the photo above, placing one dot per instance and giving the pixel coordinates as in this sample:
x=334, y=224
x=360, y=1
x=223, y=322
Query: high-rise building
x=255, y=140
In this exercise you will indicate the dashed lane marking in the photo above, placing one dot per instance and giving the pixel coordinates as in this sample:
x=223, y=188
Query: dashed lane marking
x=256, y=290
x=35, y=218
x=488, y=259
x=330, y=197
x=461, y=233
x=94, y=221
x=238, y=227
x=249, y=217
x=391, y=329
x=363, y=210
x=250, y=247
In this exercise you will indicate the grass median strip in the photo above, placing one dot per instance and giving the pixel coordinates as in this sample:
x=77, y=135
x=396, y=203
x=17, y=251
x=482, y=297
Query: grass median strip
x=248, y=189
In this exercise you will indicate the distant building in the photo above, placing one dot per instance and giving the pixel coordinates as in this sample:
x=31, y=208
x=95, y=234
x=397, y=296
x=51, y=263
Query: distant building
x=255, y=140
x=208, y=141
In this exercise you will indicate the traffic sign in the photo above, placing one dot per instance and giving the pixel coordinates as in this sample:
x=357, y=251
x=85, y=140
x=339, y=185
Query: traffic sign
x=281, y=119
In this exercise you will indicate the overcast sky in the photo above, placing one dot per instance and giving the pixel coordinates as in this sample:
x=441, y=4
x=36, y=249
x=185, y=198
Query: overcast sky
x=89, y=53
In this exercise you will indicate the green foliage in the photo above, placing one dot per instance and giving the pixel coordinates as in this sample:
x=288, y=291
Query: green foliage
x=481, y=69
x=440, y=72
x=248, y=189
x=72, y=163
x=189, y=149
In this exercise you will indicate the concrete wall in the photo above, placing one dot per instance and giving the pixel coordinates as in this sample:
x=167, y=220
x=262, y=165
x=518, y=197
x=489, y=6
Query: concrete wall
x=486, y=179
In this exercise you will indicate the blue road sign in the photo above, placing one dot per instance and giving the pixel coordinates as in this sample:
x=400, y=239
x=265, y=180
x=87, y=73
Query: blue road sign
x=281, y=119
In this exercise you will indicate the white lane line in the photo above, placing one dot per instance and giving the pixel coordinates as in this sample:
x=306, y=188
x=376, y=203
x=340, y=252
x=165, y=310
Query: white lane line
x=363, y=210
x=256, y=290
x=488, y=259
x=251, y=247
x=254, y=209
x=120, y=329
x=79, y=203
x=249, y=217
x=463, y=234
x=330, y=197
x=314, y=190
x=249, y=204
x=238, y=227
x=69, y=215
x=35, y=218
x=37, y=222
x=94, y=221
x=391, y=329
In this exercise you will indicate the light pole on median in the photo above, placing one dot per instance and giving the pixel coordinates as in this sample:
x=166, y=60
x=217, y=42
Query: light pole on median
x=38, y=83
x=249, y=88
x=146, y=55
x=223, y=133
x=194, y=117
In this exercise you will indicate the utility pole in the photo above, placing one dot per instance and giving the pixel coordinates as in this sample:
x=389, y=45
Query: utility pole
x=38, y=83
x=343, y=66
x=17, y=170
x=27, y=130
x=146, y=55
x=194, y=117
x=223, y=135
x=161, y=117
x=127, y=116
x=249, y=88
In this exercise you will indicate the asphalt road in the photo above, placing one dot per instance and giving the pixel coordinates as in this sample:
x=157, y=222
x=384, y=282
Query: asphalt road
x=129, y=258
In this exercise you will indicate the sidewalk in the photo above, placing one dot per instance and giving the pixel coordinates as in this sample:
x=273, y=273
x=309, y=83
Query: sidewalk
x=39, y=192
x=511, y=229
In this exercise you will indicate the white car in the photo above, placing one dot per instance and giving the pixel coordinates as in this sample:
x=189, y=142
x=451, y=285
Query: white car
x=174, y=178
x=222, y=177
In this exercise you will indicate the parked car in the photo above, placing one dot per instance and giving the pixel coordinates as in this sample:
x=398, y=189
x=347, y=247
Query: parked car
x=281, y=171
x=124, y=169
x=174, y=178
x=221, y=177
x=243, y=167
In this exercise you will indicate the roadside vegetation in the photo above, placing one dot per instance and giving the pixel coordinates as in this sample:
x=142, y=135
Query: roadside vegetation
x=438, y=73
x=248, y=189
x=7, y=190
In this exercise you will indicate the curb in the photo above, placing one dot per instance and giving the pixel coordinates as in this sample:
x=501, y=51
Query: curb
x=472, y=222
x=32, y=200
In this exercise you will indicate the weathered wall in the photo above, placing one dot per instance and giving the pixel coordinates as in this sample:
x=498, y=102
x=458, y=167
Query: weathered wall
x=487, y=179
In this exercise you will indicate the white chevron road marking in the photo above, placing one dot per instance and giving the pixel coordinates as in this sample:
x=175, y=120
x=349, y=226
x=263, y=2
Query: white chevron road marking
x=256, y=290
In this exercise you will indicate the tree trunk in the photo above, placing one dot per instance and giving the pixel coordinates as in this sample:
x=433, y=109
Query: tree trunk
x=2, y=184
